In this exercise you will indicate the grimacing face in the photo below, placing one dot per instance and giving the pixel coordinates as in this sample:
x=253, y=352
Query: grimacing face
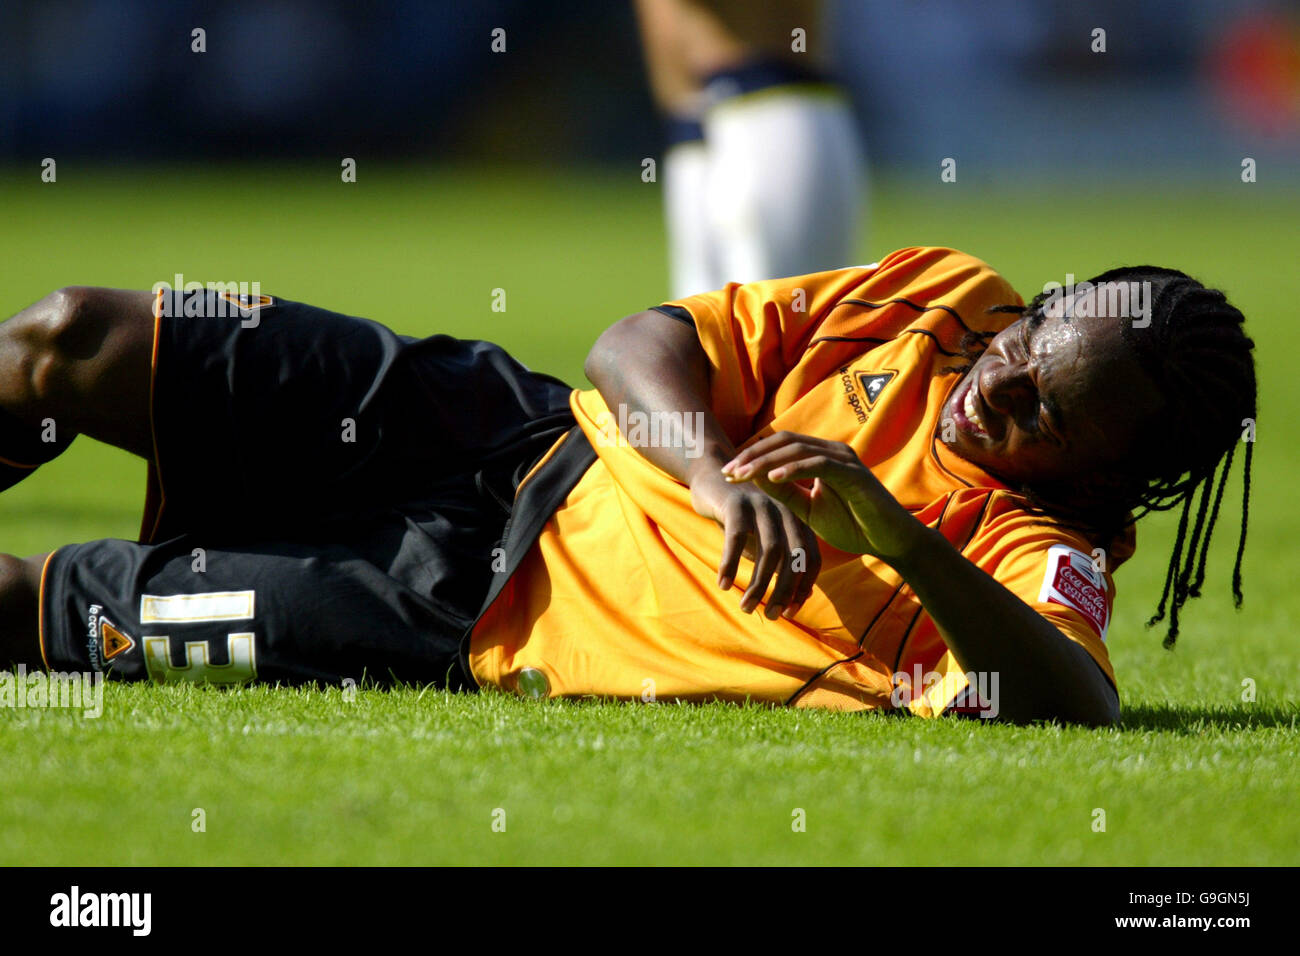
x=1053, y=398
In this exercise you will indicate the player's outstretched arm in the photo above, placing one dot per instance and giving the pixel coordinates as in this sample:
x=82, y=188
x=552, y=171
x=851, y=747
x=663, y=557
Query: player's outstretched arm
x=651, y=363
x=1041, y=675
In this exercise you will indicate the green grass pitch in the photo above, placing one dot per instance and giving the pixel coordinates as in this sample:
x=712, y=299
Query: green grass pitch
x=1197, y=774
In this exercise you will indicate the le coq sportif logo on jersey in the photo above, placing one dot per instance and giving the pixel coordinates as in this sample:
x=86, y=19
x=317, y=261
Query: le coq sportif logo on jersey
x=873, y=383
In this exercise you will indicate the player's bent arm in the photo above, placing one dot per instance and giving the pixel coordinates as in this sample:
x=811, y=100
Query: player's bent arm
x=1041, y=674
x=652, y=364
x=649, y=362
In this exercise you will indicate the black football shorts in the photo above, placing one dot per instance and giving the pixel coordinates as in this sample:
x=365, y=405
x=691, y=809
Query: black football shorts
x=327, y=500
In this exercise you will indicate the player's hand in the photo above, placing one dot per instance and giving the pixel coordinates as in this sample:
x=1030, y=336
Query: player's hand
x=757, y=526
x=827, y=487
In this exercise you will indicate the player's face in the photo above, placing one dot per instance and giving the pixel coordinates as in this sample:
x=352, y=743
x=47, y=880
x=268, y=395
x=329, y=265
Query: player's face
x=1053, y=398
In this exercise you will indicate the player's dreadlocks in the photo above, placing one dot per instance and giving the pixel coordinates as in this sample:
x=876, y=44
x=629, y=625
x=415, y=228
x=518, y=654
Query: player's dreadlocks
x=1199, y=358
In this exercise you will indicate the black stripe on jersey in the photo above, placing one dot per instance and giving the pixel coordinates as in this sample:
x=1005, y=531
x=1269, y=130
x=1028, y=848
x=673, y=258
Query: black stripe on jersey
x=898, y=656
x=867, y=338
x=846, y=338
x=910, y=304
x=907, y=634
x=820, y=674
x=979, y=520
x=675, y=312
x=935, y=455
x=862, y=640
x=825, y=670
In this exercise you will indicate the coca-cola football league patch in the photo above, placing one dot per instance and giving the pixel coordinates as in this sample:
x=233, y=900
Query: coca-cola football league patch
x=1073, y=580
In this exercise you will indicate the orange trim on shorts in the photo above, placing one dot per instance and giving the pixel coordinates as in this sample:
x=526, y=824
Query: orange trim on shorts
x=550, y=453
x=40, y=610
x=147, y=532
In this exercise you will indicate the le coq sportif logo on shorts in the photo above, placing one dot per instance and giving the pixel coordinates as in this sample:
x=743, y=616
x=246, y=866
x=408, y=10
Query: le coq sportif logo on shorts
x=213, y=300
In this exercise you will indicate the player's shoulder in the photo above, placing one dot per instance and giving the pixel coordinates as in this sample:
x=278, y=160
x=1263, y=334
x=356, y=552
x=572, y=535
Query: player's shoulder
x=916, y=280
x=907, y=261
x=922, y=276
x=940, y=268
x=1010, y=521
x=927, y=282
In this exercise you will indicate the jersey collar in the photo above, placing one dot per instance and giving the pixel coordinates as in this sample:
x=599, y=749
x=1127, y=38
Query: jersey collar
x=949, y=462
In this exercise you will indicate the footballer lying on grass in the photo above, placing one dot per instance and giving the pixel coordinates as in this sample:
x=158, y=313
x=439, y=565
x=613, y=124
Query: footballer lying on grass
x=922, y=486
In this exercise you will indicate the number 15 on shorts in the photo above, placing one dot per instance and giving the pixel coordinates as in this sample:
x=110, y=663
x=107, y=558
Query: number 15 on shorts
x=190, y=609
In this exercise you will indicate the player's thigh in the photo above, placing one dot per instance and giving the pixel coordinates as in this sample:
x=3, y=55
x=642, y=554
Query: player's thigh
x=279, y=611
x=310, y=413
x=255, y=415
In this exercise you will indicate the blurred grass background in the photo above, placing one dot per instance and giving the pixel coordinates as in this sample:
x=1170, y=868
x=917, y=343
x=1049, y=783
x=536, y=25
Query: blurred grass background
x=1198, y=776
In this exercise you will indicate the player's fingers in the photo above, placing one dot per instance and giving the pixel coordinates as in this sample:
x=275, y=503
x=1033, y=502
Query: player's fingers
x=773, y=443
x=759, y=466
x=779, y=439
x=829, y=469
x=794, y=498
x=794, y=461
x=771, y=551
x=736, y=528
x=807, y=560
x=788, y=572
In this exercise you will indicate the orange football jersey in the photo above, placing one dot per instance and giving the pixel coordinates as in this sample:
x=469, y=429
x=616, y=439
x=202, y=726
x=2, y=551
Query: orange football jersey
x=617, y=596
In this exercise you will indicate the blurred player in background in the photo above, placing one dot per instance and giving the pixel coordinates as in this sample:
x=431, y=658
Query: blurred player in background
x=763, y=173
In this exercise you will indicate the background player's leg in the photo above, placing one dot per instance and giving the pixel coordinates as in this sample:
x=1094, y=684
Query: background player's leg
x=681, y=42
x=686, y=183
x=774, y=187
x=20, y=588
x=797, y=210
x=77, y=361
